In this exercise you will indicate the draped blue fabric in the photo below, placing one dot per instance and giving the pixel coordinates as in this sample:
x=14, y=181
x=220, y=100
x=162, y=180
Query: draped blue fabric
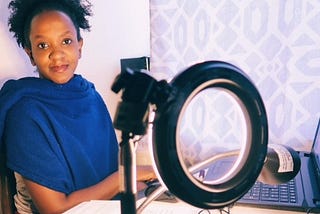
x=58, y=135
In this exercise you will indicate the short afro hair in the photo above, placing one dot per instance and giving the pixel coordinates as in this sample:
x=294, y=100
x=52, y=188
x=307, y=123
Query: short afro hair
x=23, y=11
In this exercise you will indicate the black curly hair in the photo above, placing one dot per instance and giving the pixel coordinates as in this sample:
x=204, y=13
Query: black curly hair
x=23, y=11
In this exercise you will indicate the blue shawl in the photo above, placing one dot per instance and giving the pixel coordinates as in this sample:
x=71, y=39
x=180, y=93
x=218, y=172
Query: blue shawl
x=58, y=135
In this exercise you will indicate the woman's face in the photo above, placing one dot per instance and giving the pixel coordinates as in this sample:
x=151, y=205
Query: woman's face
x=55, y=49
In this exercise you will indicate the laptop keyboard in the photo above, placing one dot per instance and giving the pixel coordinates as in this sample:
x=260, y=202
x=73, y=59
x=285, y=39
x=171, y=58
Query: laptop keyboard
x=283, y=193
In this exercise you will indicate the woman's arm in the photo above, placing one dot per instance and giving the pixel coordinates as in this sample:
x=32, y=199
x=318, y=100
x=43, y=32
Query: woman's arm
x=50, y=201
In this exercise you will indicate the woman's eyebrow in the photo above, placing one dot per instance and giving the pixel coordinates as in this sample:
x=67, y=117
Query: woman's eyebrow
x=68, y=32
x=41, y=36
x=38, y=36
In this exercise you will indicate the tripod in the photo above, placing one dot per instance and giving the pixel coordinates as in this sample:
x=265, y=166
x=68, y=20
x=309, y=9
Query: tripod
x=138, y=90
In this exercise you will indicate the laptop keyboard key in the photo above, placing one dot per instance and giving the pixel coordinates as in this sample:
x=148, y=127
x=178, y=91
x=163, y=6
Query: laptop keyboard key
x=283, y=193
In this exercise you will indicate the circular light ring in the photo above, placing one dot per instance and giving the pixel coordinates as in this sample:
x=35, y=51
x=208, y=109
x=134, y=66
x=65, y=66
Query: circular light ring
x=230, y=179
x=166, y=154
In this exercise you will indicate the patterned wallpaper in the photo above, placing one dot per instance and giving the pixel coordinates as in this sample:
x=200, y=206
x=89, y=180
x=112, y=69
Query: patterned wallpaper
x=277, y=43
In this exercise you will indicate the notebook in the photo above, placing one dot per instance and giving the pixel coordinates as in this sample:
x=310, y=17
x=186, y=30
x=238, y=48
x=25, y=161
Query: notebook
x=300, y=194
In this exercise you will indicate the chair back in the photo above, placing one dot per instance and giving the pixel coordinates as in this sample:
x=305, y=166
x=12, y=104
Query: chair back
x=7, y=187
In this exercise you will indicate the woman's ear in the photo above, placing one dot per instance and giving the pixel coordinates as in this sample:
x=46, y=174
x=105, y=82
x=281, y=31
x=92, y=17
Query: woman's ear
x=29, y=52
x=80, y=44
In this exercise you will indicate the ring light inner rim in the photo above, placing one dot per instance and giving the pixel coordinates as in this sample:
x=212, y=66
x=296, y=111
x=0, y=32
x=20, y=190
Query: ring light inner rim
x=243, y=153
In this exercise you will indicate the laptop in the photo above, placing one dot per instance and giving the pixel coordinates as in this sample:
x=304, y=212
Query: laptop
x=300, y=194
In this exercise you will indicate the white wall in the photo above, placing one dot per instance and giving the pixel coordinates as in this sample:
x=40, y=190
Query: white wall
x=120, y=29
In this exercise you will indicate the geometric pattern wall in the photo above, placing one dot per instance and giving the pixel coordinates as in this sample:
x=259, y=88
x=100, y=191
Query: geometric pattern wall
x=277, y=43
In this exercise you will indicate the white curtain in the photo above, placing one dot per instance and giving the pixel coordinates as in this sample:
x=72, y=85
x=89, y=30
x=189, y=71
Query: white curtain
x=277, y=43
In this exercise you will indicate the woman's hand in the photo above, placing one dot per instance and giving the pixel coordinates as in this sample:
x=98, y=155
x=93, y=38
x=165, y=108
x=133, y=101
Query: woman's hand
x=145, y=173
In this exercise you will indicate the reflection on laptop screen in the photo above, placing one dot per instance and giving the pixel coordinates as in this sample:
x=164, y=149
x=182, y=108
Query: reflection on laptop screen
x=316, y=147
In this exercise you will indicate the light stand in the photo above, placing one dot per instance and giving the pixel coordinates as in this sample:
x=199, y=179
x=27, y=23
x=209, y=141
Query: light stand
x=132, y=118
x=127, y=175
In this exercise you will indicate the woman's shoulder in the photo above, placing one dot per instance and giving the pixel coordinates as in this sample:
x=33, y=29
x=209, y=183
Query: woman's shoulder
x=26, y=107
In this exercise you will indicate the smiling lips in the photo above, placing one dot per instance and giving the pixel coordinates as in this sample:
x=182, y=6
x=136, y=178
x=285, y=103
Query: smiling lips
x=59, y=69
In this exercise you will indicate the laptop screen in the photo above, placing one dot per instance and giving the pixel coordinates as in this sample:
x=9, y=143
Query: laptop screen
x=315, y=153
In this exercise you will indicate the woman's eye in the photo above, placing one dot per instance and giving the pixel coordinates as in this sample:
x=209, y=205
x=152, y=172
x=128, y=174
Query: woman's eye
x=67, y=41
x=43, y=46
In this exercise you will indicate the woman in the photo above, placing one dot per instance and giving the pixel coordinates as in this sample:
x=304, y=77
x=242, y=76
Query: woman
x=56, y=129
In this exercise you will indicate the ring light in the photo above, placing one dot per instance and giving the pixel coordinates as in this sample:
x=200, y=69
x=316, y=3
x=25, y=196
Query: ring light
x=167, y=154
x=172, y=101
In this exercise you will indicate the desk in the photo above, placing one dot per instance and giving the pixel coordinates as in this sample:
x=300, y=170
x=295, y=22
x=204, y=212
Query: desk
x=156, y=207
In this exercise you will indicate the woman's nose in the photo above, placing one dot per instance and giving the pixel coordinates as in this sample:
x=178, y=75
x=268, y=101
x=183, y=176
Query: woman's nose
x=56, y=53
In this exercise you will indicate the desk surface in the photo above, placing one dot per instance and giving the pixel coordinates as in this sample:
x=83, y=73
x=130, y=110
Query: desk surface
x=155, y=207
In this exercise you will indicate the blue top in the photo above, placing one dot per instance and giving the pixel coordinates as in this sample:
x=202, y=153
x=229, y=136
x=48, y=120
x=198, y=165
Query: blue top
x=57, y=135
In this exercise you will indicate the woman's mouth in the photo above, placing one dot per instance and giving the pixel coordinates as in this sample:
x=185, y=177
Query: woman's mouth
x=59, y=68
